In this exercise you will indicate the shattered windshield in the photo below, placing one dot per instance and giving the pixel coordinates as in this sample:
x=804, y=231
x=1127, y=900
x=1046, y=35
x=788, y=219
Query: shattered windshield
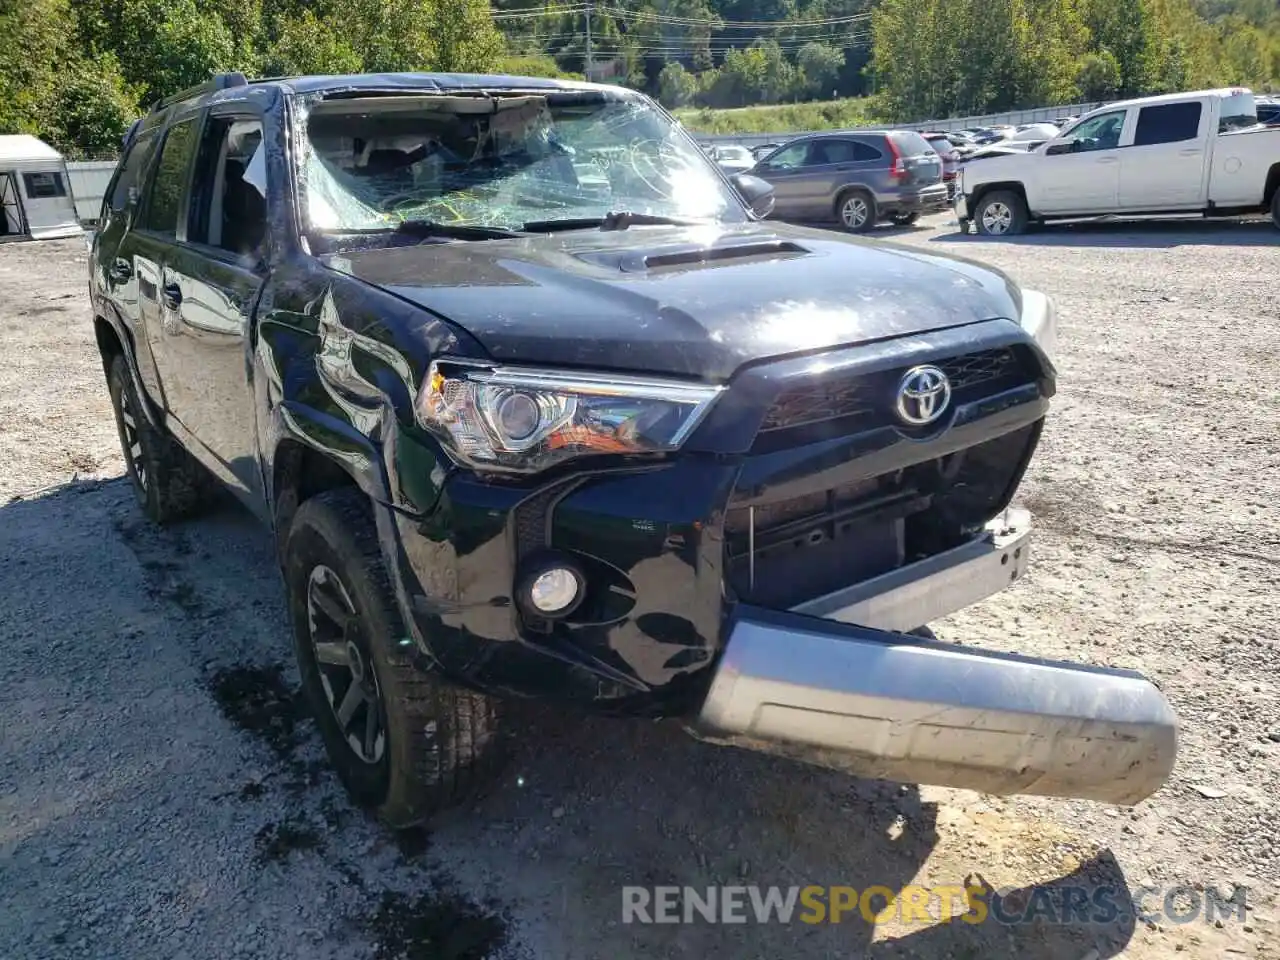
x=370, y=163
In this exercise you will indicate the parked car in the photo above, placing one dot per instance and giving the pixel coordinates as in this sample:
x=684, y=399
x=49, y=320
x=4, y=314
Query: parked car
x=732, y=158
x=994, y=134
x=1039, y=132
x=1193, y=153
x=951, y=158
x=514, y=438
x=763, y=150
x=856, y=179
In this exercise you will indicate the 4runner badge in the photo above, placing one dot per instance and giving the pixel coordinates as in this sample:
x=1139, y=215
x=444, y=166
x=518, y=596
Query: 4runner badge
x=923, y=395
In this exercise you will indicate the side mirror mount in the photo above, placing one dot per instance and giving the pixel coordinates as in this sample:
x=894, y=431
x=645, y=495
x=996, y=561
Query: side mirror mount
x=757, y=193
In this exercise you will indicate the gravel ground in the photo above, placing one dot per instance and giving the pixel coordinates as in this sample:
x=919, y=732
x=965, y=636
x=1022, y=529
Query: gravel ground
x=162, y=794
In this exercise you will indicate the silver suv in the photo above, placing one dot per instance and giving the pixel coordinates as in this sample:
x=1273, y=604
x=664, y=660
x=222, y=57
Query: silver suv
x=856, y=179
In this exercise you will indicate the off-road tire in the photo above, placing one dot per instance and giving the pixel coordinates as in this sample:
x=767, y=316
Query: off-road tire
x=442, y=742
x=904, y=219
x=1001, y=207
x=169, y=483
x=871, y=216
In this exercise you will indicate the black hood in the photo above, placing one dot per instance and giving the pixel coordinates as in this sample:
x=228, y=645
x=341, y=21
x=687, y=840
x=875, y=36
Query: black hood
x=691, y=301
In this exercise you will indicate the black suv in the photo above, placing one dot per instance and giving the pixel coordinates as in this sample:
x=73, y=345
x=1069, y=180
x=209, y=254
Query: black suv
x=536, y=406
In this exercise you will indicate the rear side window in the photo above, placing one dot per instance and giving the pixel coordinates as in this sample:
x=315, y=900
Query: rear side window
x=44, y=186
x=1167, y=123
x=910, y=143
x=125, y=189
x=170, y=180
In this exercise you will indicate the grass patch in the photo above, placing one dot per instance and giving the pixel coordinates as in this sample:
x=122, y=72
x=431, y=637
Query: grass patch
x=783, y=117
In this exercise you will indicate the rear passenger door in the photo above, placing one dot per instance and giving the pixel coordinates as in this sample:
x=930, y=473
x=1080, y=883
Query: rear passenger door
x=1165, y=167
x=843, y=162
x=115, y=252
x=212, y=276
x=154, y=239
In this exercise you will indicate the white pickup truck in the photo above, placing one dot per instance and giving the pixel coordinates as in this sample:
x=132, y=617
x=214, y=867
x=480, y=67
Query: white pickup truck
x=1190, y=153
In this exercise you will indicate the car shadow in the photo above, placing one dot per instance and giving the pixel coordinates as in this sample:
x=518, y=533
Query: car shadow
x=1150, y=234
x=586, y=806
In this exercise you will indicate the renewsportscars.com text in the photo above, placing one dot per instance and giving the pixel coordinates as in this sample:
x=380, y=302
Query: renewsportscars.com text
x=928, y=905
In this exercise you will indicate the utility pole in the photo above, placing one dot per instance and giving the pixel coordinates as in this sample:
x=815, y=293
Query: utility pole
x=587, y=15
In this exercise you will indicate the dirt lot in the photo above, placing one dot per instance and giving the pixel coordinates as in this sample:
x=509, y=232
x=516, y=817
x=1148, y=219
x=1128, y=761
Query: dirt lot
x=162, y=795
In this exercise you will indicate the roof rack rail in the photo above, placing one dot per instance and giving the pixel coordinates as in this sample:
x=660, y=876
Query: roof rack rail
x=219, y=81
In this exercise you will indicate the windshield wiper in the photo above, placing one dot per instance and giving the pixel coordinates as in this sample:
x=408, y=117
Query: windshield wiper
x=455, y=231
x=616, y=220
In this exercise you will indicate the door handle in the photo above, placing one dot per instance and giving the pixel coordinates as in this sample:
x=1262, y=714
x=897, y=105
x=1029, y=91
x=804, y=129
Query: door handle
x=1189, y=153
x=120, y=271
x=172, y=296
x=1105, y=160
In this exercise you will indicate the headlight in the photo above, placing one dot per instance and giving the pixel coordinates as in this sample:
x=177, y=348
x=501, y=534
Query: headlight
x=526, y=420
x=1040, y=320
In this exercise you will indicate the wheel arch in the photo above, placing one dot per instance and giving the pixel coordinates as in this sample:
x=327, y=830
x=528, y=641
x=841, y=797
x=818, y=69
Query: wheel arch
x=849, y=188
x=1272, y=186
x=299, y=472
x=1014, y=186
x=113, y=341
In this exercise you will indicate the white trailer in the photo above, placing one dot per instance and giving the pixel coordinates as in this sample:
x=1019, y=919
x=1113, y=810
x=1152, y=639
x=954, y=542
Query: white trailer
x=35, y=191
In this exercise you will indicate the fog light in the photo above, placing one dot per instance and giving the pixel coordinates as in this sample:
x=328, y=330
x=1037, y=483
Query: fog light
x=552, y=588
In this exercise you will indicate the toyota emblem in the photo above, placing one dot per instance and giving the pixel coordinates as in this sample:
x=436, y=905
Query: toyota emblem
x=923, y=395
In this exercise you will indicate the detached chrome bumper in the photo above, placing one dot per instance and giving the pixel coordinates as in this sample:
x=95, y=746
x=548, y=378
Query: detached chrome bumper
x=886, y=705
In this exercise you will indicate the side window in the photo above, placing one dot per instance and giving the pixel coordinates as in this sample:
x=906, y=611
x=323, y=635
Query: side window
x=865, y=151
x=125, y=188
x=44, y=186
x=835, y=151
x=1101, y=132
x=228, y=200
x=788, y=158
x=1167, y=123
x=170, y=180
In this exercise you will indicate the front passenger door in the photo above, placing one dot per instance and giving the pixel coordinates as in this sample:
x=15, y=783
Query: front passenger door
x=785, y=170
x=1081, y=173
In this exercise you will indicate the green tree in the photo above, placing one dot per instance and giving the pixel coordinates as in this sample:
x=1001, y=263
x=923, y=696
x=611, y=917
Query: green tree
x=676, y=86
x=305, y=45
x=464, y=37
x=91, y=109
x=1125, y=28
x=818, y=66
x=1098, y=77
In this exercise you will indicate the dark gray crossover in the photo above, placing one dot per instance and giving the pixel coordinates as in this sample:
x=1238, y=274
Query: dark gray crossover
x=855, y=179
x=535, y=405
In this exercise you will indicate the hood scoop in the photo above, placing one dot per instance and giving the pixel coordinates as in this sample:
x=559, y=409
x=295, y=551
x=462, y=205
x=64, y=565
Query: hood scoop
x=683, y=256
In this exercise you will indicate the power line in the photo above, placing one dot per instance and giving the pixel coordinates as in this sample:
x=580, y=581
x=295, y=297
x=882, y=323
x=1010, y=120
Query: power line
x=534, y=14
x=721, y=24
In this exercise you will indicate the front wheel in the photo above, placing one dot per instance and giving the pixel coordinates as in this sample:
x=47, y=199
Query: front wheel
x=857, y=211
x=403, y=742
x=1001, y=213
x=1275, y=209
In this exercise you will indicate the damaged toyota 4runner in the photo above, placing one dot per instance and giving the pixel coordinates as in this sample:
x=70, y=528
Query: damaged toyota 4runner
x=537, y=405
